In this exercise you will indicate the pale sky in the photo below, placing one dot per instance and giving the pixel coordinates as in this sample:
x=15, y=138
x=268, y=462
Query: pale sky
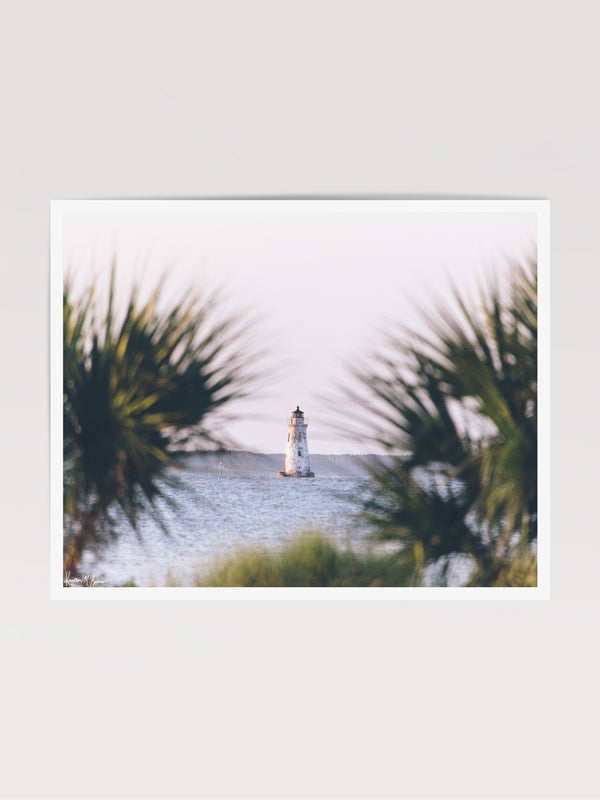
x=324, y=279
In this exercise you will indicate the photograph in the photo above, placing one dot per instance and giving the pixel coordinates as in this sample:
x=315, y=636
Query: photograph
x=297, y=393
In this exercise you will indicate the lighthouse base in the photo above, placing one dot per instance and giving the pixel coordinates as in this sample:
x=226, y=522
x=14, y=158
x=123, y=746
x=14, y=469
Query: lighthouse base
x=295, y=474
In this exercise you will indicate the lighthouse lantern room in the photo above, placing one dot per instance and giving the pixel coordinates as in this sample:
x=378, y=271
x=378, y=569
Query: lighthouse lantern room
x=297, y=460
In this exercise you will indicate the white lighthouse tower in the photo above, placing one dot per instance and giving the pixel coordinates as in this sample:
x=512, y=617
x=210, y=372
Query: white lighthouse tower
x=297, y=461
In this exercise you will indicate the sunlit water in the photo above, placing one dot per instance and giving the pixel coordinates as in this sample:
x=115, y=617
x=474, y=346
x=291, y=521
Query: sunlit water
x=216, y=515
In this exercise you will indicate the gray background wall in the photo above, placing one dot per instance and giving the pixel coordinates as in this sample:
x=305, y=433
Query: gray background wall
x=313, y=697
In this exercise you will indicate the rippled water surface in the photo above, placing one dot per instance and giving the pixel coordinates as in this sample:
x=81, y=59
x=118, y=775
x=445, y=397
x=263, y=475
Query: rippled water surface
x=217, y=514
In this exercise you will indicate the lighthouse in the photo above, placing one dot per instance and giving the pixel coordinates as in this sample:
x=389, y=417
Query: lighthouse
x=297, y=461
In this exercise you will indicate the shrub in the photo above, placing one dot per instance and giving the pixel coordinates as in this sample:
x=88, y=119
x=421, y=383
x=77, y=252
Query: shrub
x=310, y=559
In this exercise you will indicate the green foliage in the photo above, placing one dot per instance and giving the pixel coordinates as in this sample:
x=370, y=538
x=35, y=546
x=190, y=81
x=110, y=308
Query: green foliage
x=520, y=570
x=134, y=387
x=461, y=405
x=310, y=559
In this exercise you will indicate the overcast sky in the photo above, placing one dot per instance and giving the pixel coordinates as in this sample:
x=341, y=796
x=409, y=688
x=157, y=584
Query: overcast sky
x=323, y=279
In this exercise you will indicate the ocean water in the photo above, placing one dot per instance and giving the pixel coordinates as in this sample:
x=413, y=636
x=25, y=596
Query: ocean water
x=217, y=514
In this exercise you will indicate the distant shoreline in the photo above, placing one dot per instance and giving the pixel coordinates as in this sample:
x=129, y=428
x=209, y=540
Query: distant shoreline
x=321, y=464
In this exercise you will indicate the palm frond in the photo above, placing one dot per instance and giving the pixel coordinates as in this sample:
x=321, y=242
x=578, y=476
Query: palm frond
x=460, y=404
x=134, y=387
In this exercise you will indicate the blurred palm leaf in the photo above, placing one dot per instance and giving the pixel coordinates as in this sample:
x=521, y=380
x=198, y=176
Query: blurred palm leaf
x=460, y=404
x=133, y=389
